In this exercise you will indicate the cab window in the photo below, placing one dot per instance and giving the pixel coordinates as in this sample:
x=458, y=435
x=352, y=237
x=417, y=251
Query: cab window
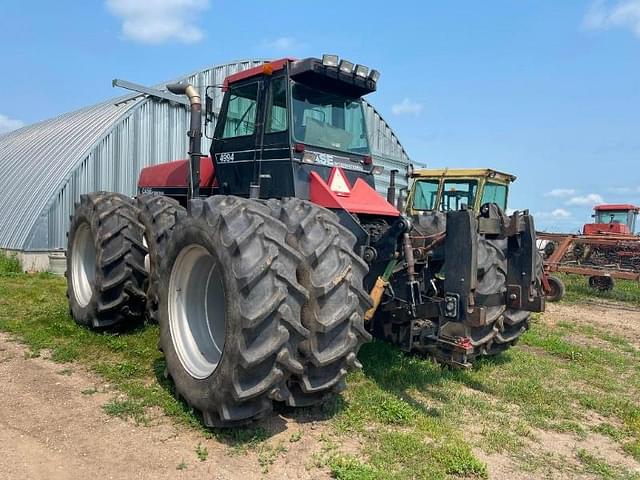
x=458, y=193
x=425, y=195
x=241, y=111
x=495, y=193
x=614, y=216
x=277, y=110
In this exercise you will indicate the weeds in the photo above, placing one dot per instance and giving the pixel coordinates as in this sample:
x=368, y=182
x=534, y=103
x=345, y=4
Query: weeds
x=9, y=263
x=202, y=452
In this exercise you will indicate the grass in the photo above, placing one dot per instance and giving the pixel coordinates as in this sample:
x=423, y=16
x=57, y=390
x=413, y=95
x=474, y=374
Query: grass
x=408, y=417
x=578, y=289
x=9, y=264
x=201, y=452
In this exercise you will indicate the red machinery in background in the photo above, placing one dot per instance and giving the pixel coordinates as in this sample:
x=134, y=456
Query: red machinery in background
x=607, y=249
x=618, y=219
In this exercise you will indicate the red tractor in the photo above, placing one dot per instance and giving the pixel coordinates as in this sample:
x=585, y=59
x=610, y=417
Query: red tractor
x=607, y=249
x=612, y=219
x=270, y=261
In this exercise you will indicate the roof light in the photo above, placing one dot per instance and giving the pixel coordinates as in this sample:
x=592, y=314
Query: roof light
x=330, y=60
x=346, y=66
x=362, y=71
x=374, y=75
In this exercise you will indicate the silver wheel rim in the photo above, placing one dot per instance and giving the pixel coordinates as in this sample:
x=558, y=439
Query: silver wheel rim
x=83, y=265
x=147, y=262
x=197, y=315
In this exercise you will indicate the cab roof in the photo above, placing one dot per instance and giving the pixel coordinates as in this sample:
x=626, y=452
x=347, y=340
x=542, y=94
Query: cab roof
x=272, y=66
x=463, y=173
x=616, y=207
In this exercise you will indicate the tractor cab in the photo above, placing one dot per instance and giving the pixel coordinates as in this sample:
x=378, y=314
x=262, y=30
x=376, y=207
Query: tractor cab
x=287, y=128
x=456, y=189
x=613, y=218
x=283, y=120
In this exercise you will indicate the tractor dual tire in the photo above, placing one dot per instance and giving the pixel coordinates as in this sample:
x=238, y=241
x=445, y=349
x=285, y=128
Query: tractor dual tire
x=229, y=310
x=334, y=314
x=159, y=215
x=105, y=262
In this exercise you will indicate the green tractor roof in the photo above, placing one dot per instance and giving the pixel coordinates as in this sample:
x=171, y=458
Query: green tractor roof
x=437, y=173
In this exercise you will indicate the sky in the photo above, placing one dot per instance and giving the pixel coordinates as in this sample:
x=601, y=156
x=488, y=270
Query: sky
x=547, y=90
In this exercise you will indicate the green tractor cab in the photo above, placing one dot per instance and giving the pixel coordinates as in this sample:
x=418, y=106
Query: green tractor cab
x=452, y=189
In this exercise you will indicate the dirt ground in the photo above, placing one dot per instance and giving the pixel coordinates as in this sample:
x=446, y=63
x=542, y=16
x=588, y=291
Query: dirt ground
x=617, y=318
x=559, y=449
x=50, y=430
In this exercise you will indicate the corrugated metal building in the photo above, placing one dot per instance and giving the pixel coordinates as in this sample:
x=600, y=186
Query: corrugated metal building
x=46, y=166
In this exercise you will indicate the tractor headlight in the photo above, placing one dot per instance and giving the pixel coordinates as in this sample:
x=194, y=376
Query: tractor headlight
x=346, y=66
x=309, y=157
x=362, y=71
x=377, y=170
x=374, y=76
x=329, y=60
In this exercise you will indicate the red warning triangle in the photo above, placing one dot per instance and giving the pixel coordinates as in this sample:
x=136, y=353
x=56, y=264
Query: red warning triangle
x=339, y=183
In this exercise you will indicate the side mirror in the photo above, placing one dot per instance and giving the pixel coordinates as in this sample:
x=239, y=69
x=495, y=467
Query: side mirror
x=208, y=105
x=209, y=116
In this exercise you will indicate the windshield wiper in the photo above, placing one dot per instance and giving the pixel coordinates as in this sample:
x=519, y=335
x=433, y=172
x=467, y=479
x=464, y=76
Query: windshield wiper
x=242, y=117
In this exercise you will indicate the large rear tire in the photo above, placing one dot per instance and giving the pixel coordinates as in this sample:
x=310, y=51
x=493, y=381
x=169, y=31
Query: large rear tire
x=334, y=313
x=229, y=310
x=105, y=262
x=159, y=215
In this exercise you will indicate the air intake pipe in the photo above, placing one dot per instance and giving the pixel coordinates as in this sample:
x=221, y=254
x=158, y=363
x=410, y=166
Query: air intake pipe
x=194, y=133
x=391, y=191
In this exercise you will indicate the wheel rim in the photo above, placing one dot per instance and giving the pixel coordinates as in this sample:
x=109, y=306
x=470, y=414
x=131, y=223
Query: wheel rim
x=147, y=262
x=83, y=265
x=197, y=314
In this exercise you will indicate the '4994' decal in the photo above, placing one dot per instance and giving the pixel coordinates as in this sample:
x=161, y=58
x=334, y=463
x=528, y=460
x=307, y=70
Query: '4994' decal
x=226, y=157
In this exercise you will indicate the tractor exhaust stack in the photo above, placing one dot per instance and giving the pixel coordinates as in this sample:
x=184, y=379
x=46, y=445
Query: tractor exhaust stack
x=194, y=133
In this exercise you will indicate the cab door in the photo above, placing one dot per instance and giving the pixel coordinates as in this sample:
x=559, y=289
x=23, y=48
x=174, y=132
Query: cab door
x=234, y=146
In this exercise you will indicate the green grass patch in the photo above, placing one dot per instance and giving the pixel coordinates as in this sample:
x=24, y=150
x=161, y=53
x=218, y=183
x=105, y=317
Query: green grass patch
x=9, y=264
x=578, y=288
x=125, y=409
x=597, y=466
x=201, y=452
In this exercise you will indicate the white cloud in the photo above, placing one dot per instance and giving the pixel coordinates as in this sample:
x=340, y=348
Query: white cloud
x=603, y=15
x=560, y=192
x=158, y=21
x=557, y=213
x=282, y=44
x=7, y=124
x=585, y=200
x=406, y=107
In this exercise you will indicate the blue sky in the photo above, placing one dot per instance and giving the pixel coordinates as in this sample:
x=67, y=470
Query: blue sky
x=548, y=90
